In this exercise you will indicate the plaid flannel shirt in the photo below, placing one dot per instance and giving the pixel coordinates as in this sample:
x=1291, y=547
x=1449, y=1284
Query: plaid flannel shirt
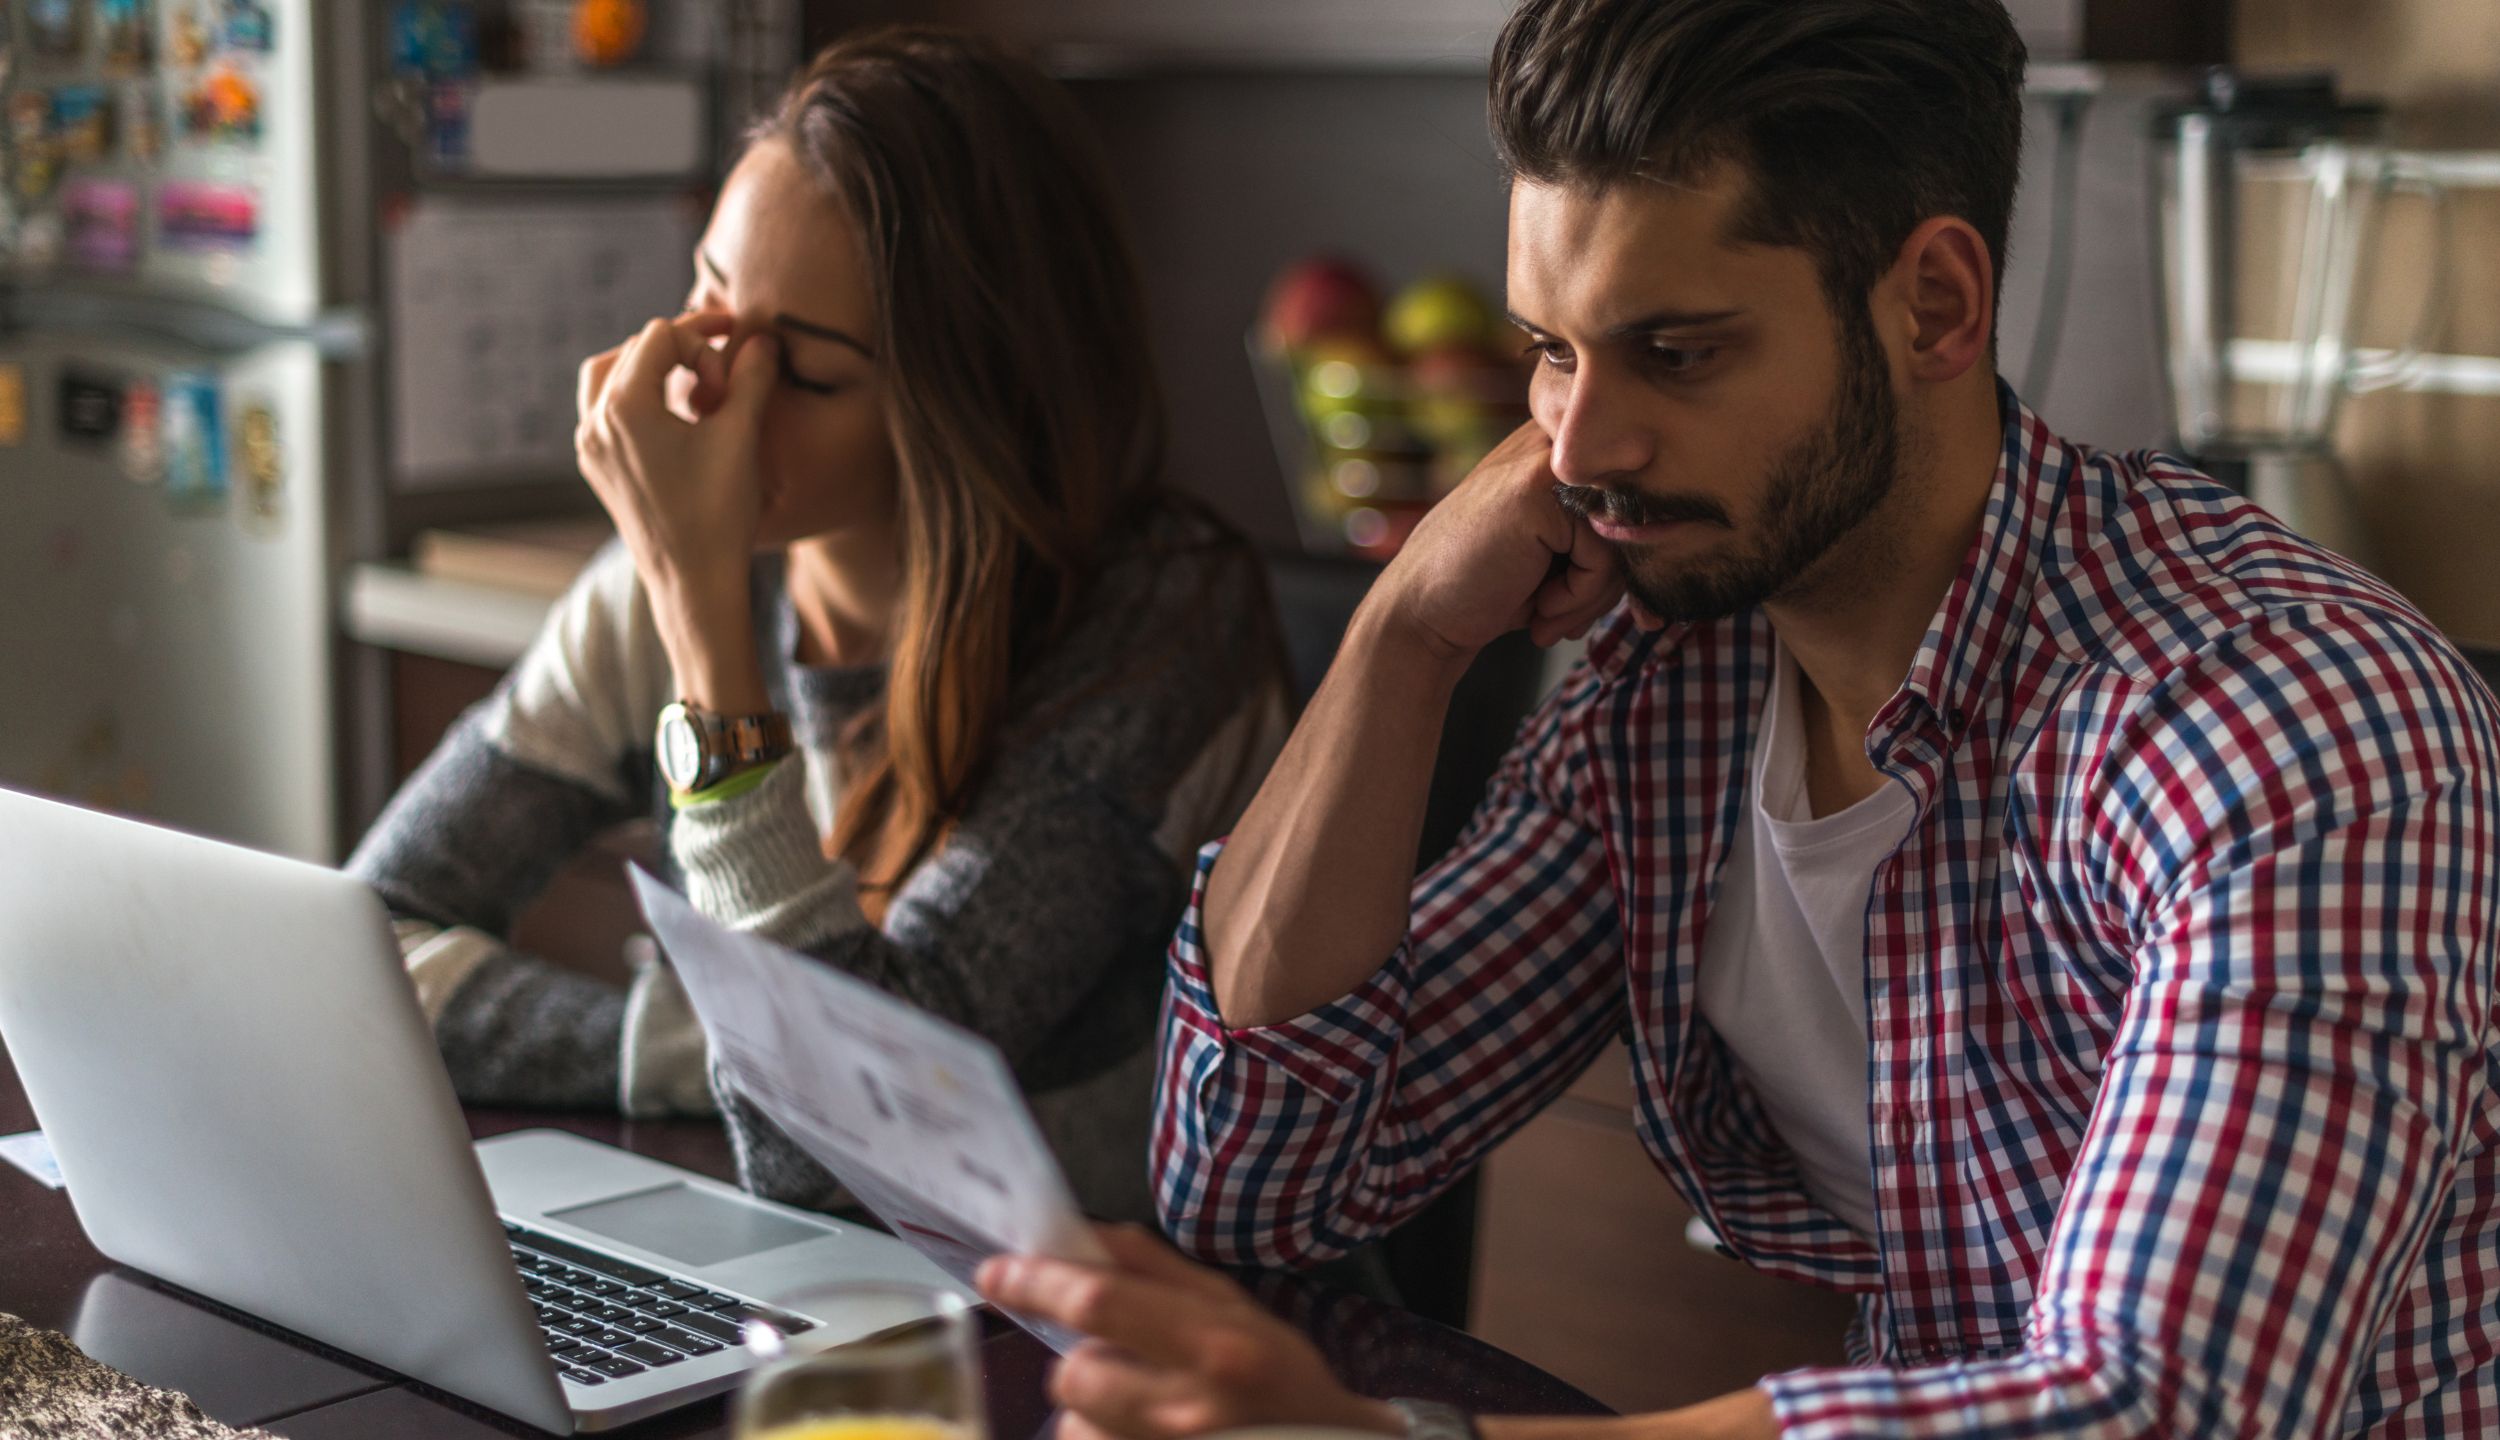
x=2180, y=992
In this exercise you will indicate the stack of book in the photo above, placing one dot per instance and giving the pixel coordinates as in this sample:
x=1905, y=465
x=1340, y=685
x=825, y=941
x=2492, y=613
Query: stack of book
x=533, y=557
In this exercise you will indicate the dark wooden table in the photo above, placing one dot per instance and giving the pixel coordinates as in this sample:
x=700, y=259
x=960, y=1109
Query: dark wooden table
x=247, y=1375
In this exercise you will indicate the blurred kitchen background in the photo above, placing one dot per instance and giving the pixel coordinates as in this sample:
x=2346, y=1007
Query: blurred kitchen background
x=291, y=293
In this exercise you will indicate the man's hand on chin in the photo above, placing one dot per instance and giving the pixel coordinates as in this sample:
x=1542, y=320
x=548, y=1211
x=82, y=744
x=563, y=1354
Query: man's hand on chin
x=1177, y=1350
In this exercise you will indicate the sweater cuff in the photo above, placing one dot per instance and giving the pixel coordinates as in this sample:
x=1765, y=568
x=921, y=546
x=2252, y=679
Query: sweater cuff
x=754, y=863
x=439, y=960
x=666, y=1066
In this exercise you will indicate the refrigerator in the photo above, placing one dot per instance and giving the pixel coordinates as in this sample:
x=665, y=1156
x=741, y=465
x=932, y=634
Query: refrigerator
x=283, y=283
x=183, y=343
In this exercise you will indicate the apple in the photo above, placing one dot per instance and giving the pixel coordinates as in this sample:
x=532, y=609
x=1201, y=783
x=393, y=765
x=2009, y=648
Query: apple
x=1322, y=298
x=1439, y=312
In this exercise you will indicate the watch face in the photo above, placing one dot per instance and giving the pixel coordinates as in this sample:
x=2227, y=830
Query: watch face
x=681, y=750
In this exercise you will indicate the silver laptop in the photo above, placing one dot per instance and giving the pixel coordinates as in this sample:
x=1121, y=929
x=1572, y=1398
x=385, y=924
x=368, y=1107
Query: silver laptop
x=227, y=1056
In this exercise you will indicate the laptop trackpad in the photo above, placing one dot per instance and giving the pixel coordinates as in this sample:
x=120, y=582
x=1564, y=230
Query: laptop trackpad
x=693, y=1227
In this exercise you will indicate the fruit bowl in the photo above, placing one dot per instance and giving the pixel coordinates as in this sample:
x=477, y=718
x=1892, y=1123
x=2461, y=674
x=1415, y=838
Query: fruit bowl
x=1374, y=418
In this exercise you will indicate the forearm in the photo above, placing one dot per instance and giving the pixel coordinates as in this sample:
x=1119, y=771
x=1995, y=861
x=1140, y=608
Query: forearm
x=1311, y=894
x=706, y=621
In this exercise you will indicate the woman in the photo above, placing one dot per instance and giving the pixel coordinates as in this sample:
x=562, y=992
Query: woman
x=891, y=480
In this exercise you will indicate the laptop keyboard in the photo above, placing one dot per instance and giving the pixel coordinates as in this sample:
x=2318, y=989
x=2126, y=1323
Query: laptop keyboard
x=606, y=1318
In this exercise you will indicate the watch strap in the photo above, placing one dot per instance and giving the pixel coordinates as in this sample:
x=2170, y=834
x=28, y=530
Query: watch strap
x=745, y=740
x=725, y=745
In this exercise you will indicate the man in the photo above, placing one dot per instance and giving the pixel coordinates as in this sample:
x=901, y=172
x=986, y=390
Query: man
x=2041, y=895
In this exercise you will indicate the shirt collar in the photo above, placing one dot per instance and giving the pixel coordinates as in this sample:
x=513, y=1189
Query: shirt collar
x=1990, y=601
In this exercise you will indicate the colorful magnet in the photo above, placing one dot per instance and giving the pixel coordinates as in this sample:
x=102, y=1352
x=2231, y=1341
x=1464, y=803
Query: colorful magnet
x=129, y=33
x=263, y=464
x=143, y=441
x=34, y=150
x=57, y=29
x=82, y=121
x=102, y=218
x=195, y=441
x=190, y=35
x=91, y=406
x=224, y=104
x=198, y=216
x=608, y=32
x=12, y=403
x=249, y=27
x=436, y=39
x=447, y=121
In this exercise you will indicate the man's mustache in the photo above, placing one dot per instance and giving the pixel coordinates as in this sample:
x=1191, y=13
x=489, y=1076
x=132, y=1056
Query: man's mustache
x=1630, y=507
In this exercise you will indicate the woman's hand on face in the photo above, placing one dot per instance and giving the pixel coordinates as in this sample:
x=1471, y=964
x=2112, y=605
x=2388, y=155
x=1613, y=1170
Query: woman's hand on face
x=685, y=495
x=1177, y=1350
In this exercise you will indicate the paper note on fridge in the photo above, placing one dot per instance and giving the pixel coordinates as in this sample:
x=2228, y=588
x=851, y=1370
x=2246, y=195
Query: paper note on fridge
x=919, y=1118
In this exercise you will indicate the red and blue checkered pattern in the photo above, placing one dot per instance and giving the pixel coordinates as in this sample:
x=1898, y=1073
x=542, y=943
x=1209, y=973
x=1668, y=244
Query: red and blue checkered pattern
x=2185, y=1105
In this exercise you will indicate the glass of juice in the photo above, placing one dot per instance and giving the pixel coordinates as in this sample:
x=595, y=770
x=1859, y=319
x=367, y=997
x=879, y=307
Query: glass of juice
x=888, y=1362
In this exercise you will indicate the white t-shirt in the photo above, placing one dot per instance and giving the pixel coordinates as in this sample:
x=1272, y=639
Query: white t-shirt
x=1783, y=961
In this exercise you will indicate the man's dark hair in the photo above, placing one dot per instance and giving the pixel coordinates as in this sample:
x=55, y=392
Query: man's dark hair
x=1853, y=121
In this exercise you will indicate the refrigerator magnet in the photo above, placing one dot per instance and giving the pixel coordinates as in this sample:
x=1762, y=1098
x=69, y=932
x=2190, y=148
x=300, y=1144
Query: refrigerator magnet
x=249, y=27
x=91, y=406
x=34, y=151
x=102, y=220
x=608, y=32
x=57, y=29
x=263, y=465
x=12, y=404
x=224, y=104
x=129, y=33
x=190, y=35
x=194, y=436
x=198, y=215
x=143, y=438
x=82, y=121
x=434, y=39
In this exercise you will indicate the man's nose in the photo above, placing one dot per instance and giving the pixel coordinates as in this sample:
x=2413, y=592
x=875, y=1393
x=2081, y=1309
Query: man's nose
x=1597, y=430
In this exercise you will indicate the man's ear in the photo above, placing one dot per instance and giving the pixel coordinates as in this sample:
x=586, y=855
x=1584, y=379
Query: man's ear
x=1942, y=292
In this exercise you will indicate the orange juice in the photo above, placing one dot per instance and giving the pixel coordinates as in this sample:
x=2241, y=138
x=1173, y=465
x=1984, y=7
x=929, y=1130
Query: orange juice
x=862, y=1427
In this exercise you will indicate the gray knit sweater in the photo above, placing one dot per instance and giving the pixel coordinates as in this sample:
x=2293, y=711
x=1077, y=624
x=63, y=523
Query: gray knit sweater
x=1040, y=924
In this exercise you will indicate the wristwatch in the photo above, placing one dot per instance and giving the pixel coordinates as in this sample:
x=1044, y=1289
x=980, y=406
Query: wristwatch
x=698, y=749
x=1432, y=1420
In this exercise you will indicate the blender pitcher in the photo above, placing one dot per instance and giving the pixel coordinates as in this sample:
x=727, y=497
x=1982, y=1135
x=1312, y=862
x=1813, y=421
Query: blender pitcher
x=2268, y=193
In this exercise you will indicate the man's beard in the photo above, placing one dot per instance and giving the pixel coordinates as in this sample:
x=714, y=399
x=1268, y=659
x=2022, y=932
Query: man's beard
x=1819, y=490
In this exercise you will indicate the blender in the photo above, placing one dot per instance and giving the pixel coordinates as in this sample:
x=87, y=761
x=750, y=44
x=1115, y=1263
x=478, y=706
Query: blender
x=2268, y=193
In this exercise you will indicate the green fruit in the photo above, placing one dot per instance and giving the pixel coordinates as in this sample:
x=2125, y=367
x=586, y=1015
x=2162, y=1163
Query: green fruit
x=1438, y=312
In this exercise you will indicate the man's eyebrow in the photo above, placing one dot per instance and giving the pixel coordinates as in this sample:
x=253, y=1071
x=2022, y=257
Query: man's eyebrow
x=1657, y=320
x=785, y=320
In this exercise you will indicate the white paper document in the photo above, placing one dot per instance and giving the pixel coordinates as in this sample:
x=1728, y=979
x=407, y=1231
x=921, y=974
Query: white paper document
x=30, y=1152
x=918, y=1118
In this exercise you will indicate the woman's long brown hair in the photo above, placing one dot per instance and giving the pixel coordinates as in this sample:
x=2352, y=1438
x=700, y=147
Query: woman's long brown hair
x=1022, y=403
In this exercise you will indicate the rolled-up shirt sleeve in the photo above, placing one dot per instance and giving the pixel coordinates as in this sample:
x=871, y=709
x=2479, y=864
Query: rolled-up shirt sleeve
x=2298, y=832
x=1289, y=1144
